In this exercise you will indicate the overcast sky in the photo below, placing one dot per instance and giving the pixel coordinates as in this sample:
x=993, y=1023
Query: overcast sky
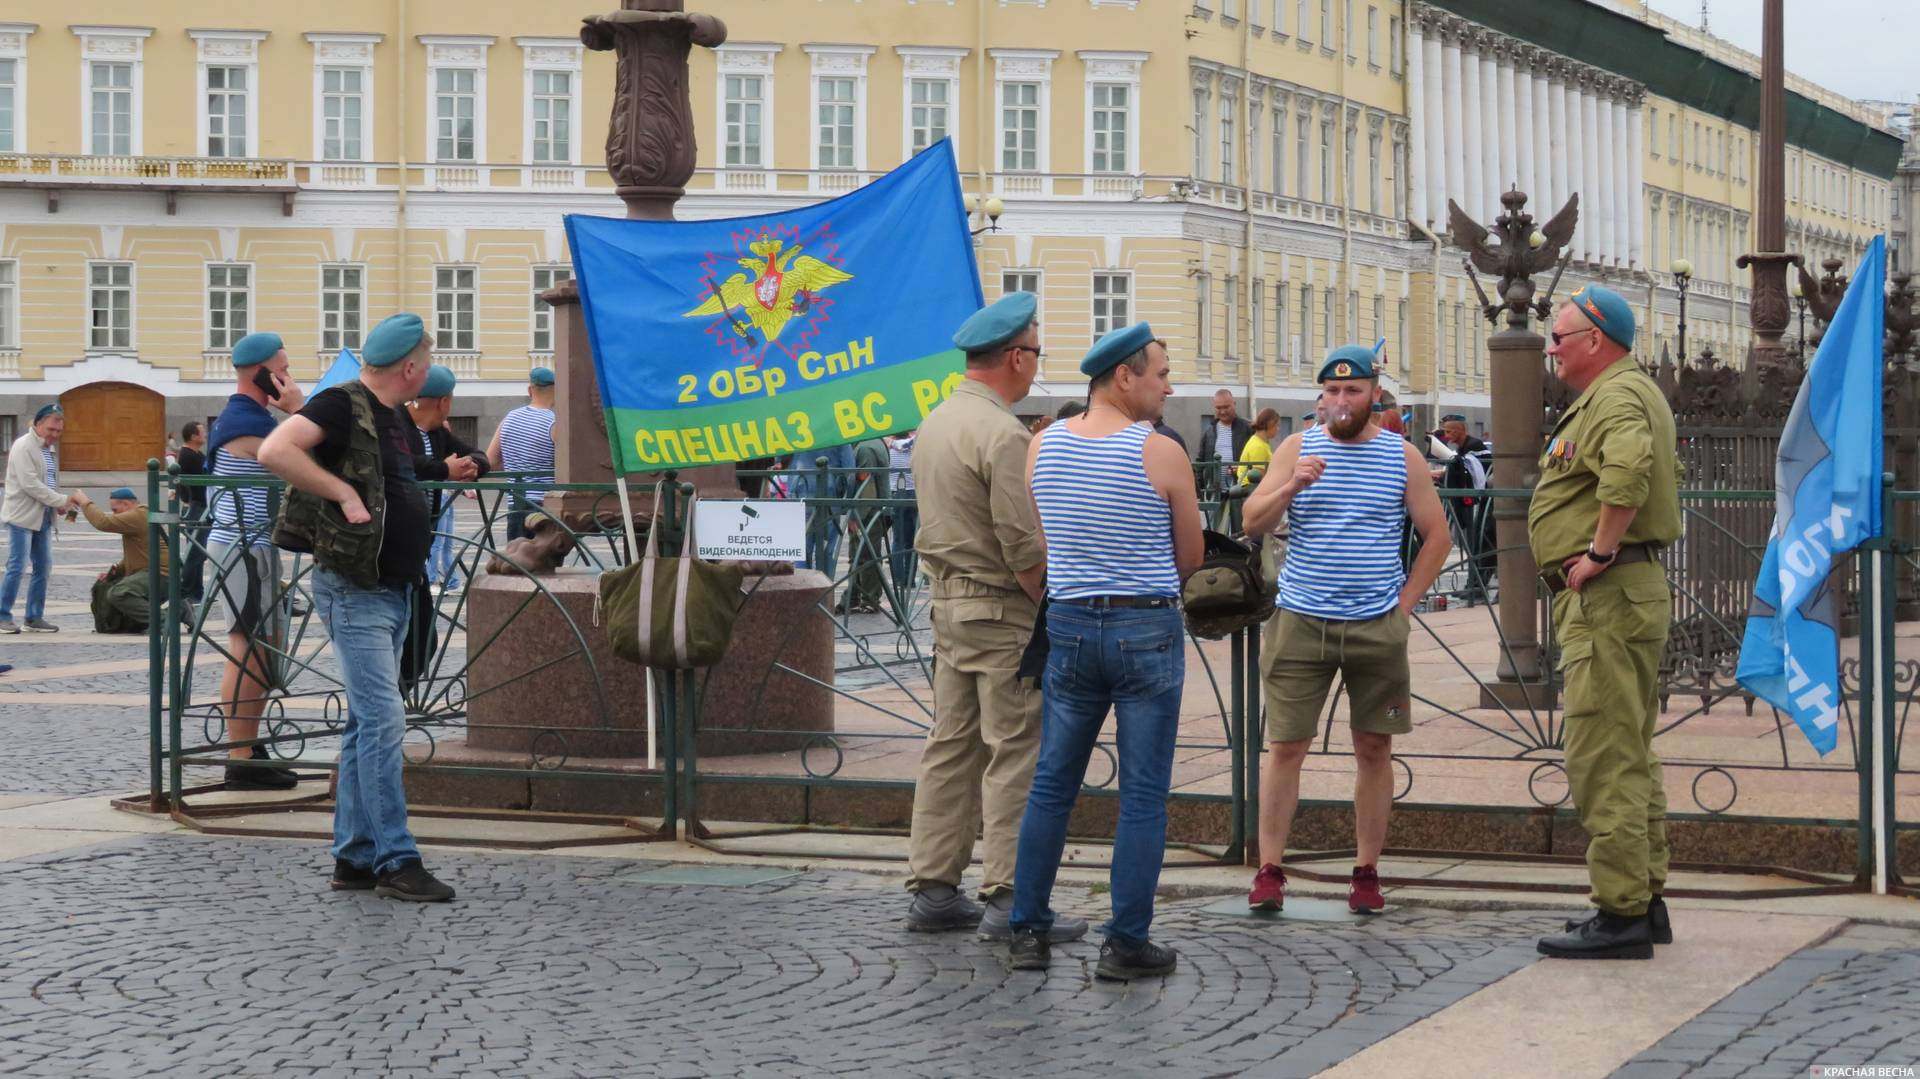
x=1860, y=48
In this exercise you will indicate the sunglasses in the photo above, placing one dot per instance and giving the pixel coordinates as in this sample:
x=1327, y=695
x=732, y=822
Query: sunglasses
x=1037, y=354
x=1559, y=337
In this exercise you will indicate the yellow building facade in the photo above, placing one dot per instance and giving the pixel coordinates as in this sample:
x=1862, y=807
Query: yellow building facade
x=1252, y=176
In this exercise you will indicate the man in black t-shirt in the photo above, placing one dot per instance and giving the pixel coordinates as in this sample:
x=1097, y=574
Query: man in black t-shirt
x=372, y=847
x=193, y=508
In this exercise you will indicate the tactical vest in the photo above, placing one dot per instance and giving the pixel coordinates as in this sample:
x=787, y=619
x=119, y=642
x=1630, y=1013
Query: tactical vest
x=313, y=525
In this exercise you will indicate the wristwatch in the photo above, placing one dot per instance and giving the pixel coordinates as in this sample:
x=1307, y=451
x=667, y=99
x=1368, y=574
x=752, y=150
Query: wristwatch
x=1601, y=559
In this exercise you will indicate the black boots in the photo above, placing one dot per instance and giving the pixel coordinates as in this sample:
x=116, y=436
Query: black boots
x=1660, y=926
x=1603, y=936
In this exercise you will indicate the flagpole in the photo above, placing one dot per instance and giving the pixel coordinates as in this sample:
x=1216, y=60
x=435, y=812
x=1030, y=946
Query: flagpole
x=1880, y=556
x=633, y=553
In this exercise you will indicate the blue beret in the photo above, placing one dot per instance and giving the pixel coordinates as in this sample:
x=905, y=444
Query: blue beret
x=1608, y=311
x=440, y=382
x=541, y=376
x=391, y=341
x=1453, y=417
x=45, y=411
x=997, y=323
x=121, y=492
x=1310, y=417
x=256, y=348
x=1347, y=361
x=1113, y=349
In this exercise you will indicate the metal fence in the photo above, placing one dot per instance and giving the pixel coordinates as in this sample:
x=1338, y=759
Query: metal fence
x=723, y=749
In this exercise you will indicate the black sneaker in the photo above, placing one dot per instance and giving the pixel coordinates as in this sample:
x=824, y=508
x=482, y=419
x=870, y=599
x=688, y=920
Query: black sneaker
x=348, y=877
x=1029, y=950
x=1603, y=936
x=247, y=777
x=412, y=883
x=1124, y=962
x=1659, y=925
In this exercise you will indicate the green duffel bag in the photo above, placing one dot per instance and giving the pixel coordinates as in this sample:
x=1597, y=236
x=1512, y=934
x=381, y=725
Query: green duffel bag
x=1228, y=592
x=672, y=613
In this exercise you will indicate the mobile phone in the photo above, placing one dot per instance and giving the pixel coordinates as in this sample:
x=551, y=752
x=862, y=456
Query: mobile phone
x=263, y=378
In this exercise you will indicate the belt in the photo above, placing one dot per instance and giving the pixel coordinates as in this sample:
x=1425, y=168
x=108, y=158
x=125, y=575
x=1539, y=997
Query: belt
x=1627, y=555
x=1106, y=602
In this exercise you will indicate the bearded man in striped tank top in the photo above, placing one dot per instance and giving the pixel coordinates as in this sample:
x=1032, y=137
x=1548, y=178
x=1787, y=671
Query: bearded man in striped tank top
x=1345, y=608
x=1122, y=530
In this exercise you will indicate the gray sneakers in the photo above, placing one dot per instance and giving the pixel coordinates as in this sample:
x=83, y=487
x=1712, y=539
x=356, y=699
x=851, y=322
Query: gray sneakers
x=41, y=625
x=9, y=626
x=994, y=926
x=940, y=908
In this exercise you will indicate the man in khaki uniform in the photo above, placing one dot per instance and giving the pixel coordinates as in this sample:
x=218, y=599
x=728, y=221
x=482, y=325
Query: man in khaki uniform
x=122, y=589
x=1607, y=501
x=980, y=543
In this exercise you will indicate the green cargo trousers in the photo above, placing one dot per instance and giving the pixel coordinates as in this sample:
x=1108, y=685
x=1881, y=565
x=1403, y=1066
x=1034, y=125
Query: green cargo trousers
x=1612, y=633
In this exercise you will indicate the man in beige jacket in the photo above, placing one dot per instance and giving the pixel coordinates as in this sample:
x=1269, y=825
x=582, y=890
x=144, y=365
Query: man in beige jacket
x=28, y=510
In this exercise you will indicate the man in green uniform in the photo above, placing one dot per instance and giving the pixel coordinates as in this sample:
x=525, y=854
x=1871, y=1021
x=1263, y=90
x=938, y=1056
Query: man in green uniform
x=1607, y=502
x=980, y=542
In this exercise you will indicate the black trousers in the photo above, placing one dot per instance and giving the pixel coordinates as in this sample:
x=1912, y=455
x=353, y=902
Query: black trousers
x=423, y=637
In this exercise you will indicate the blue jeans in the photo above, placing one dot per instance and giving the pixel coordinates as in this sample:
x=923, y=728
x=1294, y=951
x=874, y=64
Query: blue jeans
x=906, y=526
x=368, y=629
x=1133, y=661
x=441, y=566
x=19, y=542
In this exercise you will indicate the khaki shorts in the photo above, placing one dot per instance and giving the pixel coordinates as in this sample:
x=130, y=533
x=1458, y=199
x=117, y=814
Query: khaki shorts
x=248, y=578
x=1300, y=655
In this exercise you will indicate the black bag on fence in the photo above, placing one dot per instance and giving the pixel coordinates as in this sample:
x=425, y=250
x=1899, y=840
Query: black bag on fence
x=1228, y=592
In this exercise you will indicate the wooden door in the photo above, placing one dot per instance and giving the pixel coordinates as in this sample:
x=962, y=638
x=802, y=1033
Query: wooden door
x=112, y=427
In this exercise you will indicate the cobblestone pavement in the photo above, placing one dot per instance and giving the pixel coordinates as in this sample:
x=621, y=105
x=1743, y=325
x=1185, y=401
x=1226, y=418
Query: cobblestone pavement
x=1854, y=1001
x=231, y=956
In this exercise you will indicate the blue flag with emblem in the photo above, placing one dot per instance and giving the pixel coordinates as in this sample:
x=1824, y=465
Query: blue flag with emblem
x=1827, y=482
x=726, y=340
x=345, y=368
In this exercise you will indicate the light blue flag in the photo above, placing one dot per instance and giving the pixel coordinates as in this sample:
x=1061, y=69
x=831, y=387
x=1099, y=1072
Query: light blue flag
x=726, y=340
x=346, y=368
x=1827, y=487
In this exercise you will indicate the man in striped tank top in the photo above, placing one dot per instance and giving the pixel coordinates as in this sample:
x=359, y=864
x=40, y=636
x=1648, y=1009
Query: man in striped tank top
x=241, y=559
x=1122, y=528
x=1345, y=608
x=524, y=443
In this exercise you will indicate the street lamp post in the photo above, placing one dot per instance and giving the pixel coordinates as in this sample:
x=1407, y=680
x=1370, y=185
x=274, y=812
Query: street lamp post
x=1682, y=277
x=990, y=208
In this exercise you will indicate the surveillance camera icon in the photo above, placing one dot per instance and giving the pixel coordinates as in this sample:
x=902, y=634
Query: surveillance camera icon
x=747, y=513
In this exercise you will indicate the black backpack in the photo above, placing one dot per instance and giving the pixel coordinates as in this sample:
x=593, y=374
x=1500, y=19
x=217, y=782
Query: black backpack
x=1228, y=592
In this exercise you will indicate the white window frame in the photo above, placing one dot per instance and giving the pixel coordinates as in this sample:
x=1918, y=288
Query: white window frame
x=360, y=331
x=453, y=52
x=1230, y=304
x=557, y=273
x=755, y=60
x=1096, y=296
x=1257, y=326
x=228, y=48
x=837, y=62
x=114, y=45
x=1373, y=37
x=1104, y=68
x=343, y=52
x=9, y=305
x=1018, y=276
x=1203, y=316
x=928, y=64
x=132, y=286
x=551, y=55
x=1202, y=108
x=13, y=47
x=1396, y=58
x=206, y=306
x=447, y=340
x=1024, y=66
x=1229, y=131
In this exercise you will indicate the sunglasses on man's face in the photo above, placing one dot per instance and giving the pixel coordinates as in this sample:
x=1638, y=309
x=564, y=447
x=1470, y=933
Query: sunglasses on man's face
x=1558, y=337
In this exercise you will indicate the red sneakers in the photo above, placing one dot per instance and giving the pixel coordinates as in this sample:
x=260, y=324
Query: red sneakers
x=1269, y=889
x=1363, y=895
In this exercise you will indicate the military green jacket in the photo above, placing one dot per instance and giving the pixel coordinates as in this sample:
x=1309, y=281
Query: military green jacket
x=1614, y=445
x=313, y=525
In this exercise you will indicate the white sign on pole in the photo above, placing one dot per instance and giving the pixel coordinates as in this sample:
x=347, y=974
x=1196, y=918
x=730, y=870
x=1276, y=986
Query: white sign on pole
x=754, y=531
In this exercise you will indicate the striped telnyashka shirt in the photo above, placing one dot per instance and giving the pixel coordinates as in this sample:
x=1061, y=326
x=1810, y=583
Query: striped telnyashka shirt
x=1109, y=533
x=1343, y=557
x=240, y=510
x=526, y=445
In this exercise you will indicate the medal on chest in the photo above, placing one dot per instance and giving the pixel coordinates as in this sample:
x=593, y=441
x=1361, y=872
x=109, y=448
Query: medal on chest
x=1559, y=453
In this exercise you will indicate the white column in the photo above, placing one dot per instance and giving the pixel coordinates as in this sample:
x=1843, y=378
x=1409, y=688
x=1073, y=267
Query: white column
x=1523, y=129
x=1416, y=178
x=1637, y=186
x=1576, y=166
x=1438, y=115
x=1509, y=110
x=1608, y=151
x=1626, y=194
x=1491, y=183
x=1545, y=132
x=1468, y=145
x=1590, y=166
